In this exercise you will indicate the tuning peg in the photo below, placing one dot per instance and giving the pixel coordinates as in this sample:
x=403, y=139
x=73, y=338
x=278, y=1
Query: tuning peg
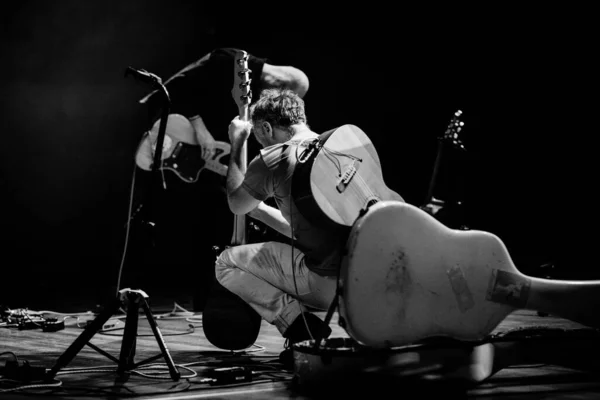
x=242, y=72
x=247, y=97
x=242, y=60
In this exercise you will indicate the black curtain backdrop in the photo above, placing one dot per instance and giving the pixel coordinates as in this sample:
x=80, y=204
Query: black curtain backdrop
x=526, y=83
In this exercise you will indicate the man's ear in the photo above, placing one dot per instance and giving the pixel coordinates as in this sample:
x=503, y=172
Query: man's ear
x=268, y=129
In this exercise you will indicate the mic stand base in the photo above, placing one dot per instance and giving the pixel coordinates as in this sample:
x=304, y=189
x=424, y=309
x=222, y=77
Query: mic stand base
x=133, y=299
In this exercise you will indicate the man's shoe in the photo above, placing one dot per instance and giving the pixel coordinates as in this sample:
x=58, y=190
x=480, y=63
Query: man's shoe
x=286, y=357
x=297, y=332
x=313, y=328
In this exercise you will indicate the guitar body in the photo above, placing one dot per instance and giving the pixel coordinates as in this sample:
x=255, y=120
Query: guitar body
x=407, y=277
x=181, y=153
x=340, y=178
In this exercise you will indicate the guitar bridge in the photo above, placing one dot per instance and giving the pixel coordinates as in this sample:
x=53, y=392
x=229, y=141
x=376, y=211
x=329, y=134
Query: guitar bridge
x=346, y=177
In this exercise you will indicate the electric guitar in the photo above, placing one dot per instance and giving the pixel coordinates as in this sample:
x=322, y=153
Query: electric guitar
x=408, y=277
x=228, y=321
x=242, y=95
x=181, y=152
x=451, y=138
x=338, y=176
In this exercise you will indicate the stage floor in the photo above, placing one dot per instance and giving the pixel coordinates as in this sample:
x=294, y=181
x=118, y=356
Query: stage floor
x=559, y=368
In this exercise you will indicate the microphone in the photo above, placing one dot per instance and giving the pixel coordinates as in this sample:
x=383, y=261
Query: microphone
x=143, y=76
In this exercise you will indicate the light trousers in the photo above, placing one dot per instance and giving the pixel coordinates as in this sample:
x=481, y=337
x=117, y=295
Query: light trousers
x=264, y=276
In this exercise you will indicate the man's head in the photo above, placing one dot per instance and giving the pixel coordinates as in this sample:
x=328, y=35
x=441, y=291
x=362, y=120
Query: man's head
x=276, y=115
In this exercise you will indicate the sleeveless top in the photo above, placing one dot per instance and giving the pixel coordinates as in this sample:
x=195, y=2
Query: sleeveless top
x=270, y=174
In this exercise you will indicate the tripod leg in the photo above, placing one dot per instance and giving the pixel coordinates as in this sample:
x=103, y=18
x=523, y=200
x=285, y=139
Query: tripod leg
x=83, y=339
x=161, y=343
x=126, y=358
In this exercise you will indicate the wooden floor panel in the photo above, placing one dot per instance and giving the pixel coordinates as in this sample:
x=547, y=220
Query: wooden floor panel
x=92, y=375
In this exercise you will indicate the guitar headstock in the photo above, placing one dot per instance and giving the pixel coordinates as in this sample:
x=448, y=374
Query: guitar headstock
x=453, y=129
x=242, y=95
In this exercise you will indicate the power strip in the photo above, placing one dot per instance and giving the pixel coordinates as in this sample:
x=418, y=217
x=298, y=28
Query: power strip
x=53, y=325
x=22, y=371
x=26, y=325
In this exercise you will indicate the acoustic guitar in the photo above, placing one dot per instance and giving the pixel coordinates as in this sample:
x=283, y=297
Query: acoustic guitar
x=408, y=277
x=181, y=152
x=338, y=176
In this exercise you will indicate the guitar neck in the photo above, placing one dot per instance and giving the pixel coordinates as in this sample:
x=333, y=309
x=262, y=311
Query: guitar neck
x=434, y=174
x=243, y=113
x=242, y=96
x=574, y=300
x=239, y=221
x=451, y=134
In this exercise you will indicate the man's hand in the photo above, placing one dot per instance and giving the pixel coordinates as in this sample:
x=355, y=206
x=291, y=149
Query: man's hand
x=239, y=130
x=208, y=148
x=272, y=217
x=204, y=137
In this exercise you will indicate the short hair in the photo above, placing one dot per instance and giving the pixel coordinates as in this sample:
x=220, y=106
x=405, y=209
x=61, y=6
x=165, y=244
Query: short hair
x=279, y=107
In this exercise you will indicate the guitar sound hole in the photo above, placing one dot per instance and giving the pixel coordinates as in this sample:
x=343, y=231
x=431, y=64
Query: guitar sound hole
x=367, y=206
x=371, y=202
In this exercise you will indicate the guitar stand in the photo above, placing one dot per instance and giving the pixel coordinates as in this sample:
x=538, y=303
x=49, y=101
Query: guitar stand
x=134, y=299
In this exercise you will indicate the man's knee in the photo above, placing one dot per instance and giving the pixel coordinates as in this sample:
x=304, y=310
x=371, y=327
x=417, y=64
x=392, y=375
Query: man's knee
x=223, y=266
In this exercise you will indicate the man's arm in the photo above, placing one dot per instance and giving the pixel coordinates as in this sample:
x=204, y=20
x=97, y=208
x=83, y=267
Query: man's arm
x=203, y=136
x=240, y=201
x=283, y=76
x=273, y=218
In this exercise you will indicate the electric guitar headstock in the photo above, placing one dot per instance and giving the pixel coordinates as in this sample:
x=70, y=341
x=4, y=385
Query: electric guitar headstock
x=242, y=95
x=452, y=131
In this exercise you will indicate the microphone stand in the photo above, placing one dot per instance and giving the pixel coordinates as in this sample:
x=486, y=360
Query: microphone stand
x=131, y=299
x=155, y=179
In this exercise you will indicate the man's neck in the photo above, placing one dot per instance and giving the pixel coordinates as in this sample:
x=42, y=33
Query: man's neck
x=301, y=131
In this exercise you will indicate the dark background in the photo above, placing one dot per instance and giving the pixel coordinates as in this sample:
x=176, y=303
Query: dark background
x=526, y=82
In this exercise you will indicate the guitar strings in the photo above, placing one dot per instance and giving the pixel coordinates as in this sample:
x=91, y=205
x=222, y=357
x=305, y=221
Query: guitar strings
x=365, y=186
x=337, y=153
x=334, y=160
